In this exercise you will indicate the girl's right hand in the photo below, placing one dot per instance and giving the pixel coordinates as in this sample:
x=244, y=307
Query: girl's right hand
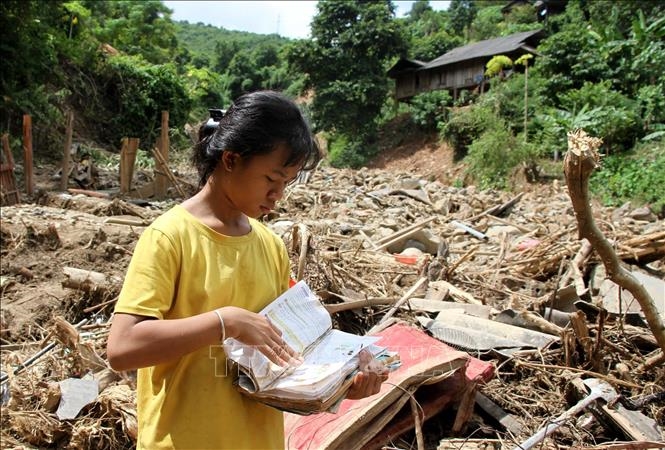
x=257, y=330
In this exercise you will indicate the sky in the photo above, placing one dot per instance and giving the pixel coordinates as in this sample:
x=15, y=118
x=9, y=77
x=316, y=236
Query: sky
x=287, y=18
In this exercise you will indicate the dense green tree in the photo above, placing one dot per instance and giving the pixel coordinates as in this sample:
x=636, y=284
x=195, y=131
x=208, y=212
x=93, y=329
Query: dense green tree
x=462, y=13
x=487, y=24
x=418, y=10
x=620, y=15
x=571, y=56
x=33, y=42
x=28, y=42
x=136, y=28
x=346, y=60
x=225, y=51
x=135, y=93
x=427, y=32
x=256, y=68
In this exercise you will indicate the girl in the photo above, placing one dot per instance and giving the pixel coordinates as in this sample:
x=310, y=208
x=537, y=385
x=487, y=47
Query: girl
x=201, y=272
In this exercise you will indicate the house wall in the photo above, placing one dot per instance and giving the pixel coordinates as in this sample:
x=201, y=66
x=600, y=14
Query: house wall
x=405, y=85
x=463, y=75
x=451, y=77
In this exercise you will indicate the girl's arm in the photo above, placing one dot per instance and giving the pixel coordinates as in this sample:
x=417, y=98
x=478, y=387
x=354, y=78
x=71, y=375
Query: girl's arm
x=139, y=341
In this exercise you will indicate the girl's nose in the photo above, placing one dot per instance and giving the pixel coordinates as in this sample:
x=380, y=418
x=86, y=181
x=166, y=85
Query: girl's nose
x=275, y=194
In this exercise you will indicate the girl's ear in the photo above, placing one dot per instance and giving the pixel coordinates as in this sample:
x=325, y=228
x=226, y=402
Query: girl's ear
x=229, y=160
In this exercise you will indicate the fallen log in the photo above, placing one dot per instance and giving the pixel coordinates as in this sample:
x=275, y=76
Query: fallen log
x=90, y=281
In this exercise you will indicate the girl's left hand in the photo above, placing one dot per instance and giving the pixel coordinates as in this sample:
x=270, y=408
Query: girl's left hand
x=368, y=380
x=366, y=384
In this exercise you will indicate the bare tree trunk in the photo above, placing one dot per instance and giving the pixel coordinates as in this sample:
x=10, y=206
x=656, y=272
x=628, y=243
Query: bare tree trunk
x=578, y=164
x=526, y=99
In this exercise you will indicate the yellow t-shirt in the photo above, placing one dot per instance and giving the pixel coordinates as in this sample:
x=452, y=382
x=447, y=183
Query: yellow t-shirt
x=181, y=268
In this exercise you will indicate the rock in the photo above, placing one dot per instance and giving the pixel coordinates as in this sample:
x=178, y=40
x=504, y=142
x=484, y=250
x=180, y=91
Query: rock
x=412, y=251
x=644, y=213
x=413, y=244
x=409, y=183
x=498, y=231
x=281, y=227
x=442, y=206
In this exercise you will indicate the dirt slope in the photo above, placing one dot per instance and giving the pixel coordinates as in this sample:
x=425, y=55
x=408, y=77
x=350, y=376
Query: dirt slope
x=404, y=148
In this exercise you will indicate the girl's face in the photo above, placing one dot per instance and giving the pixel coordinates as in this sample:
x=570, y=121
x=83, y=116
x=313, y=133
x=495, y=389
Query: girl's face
x=254, y=186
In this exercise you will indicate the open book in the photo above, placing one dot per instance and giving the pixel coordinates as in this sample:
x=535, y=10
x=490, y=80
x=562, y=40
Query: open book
x=330, y=357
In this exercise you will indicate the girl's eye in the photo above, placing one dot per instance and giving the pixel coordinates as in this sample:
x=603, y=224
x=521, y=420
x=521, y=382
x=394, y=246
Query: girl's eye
x=270, y=179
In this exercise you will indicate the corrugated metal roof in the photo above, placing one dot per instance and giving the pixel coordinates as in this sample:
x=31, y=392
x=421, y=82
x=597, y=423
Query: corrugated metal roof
x=482, y=49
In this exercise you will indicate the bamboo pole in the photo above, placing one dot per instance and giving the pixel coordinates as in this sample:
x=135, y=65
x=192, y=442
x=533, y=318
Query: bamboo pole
x=399, y=303
x=164, y=169
x=402, y=234
x=161, y=179
x=66, y=153
x=27, y=154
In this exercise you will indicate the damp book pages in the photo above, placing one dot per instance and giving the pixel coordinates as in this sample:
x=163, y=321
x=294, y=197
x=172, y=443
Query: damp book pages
x=330, y=357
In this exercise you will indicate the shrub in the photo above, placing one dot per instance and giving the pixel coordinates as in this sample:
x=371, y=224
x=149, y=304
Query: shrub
x=636, y=176
x=652, y=104
x=44, y=107
x=554, y=124
x=616, y=119
x=506, y=99
x=206, y=90
x=466, y=125
x=492, y=157
x=345, y=151
x=429, y=109
x=136, y=94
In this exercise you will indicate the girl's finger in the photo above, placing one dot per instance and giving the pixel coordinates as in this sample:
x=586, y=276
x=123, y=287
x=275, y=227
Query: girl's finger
x=280, y=342
x=282, y=355
x=274, y=327
x=363, y=381
x=276, y=355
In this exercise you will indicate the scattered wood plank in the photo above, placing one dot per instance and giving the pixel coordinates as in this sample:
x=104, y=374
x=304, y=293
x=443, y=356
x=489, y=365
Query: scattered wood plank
x=89, y=193
x=457, y=293
x=402, y=234
x=401, y=301
x=498, y=210
x=127, y=160
x=509, y=422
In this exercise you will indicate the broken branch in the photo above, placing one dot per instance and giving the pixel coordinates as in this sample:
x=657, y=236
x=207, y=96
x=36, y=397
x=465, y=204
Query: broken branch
x=580, y=161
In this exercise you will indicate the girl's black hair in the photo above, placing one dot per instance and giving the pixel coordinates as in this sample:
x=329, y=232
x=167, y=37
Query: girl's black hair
x=255, y=124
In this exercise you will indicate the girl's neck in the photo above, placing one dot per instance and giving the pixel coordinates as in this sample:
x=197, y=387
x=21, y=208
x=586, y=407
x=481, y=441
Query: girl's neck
x=217, y=212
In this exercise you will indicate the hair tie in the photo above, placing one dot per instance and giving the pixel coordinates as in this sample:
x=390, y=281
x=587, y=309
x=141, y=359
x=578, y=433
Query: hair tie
x=206, y=143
